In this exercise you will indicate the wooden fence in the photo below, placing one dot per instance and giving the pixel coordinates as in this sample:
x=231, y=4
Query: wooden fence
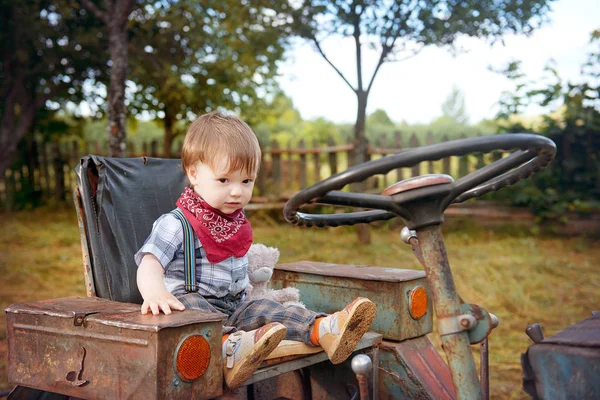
x=48, y=170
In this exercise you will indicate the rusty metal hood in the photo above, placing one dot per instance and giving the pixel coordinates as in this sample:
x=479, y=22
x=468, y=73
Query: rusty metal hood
x=353, y=271
x=585, y=333
x=112, y=313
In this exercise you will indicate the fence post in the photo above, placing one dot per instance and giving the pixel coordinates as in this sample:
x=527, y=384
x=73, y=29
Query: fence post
x=45, y=168
x=131, y=149
x=332, y=157
x=496, y=155
x=317, y=161
x=75, y=150
x=73, y=163
x=59, y=175
x=463, y=162
x=480, y=158
x=398, y=145
x=9, y=204
x=261, y=179
x=446, y=161
x=290, y=166
x=276, y=167
x=302, y=165
x=429, y=140
x=31, y=161
x=414, y=142
x=383, y=145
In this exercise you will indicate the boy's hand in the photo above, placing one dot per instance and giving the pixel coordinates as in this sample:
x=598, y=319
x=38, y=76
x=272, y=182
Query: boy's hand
x=164, y=302
x=150, y=283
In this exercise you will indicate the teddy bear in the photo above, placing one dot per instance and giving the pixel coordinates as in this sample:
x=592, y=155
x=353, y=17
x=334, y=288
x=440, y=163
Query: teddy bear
x=261, y=262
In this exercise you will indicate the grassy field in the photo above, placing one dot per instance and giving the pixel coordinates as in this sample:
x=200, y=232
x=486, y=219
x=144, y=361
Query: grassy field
x=519, y=277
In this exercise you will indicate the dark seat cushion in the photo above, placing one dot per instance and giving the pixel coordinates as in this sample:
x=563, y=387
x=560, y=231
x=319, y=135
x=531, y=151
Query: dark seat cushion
x=121, y=199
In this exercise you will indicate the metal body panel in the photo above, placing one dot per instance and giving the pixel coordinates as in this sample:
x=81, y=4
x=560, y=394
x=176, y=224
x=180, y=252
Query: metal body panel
x=291, y=385
x=413, y=369
x=352, y=271
x=567, y=365
x=330, y=287
x=113, y=352
x=565, y=372
x=585, y=333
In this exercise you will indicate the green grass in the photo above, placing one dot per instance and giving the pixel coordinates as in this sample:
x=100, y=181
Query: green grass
x=519, y=277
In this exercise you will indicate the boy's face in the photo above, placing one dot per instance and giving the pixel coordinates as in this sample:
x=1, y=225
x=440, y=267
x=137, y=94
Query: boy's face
x=225, y=190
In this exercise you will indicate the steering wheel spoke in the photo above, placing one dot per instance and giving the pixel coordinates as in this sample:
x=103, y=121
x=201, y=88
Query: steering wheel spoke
x=361, y=200
x=358, y=217
x=474, y=182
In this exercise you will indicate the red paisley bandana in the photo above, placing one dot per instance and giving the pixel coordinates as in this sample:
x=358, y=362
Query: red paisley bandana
x=221, y=235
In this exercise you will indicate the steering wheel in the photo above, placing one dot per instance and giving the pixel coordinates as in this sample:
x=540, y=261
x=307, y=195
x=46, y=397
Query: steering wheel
x=421, y=201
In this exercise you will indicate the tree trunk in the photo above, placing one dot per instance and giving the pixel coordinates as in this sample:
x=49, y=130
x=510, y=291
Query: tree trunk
x=360, y=138
x=116, y=133
x=13, y=129
x=168, y=140
x=360, y=155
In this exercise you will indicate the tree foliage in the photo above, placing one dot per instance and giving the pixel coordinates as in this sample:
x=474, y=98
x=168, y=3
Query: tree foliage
x=454, y=107
x=49, y=50
x=572, y=181
x=189, y=58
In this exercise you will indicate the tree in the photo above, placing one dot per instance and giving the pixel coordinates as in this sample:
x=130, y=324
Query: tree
x=116, y=19
x=190, y=57
x=398, y=29
x=49, y=49
x=280, y=120
x=379, y=125
x=572, y=181
x=380, y=117
x=454, y=107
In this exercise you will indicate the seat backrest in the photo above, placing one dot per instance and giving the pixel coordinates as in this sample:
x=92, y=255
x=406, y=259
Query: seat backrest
x=121, y=198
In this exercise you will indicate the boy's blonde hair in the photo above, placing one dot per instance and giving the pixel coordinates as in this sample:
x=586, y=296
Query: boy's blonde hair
x=214, y=136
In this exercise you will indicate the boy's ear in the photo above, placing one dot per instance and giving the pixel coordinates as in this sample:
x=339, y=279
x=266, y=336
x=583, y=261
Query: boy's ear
x=191, y=174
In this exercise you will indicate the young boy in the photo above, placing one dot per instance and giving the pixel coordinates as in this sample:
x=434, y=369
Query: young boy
x=221, y=157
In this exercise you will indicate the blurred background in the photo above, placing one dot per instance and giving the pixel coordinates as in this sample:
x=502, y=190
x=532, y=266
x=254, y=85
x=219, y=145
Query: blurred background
x=325, y=85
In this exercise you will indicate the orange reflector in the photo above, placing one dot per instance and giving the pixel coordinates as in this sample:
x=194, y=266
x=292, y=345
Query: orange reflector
x=193, y=357
x=417, y=302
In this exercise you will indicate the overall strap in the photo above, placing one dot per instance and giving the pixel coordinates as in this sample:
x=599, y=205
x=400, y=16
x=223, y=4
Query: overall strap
x=189, y=252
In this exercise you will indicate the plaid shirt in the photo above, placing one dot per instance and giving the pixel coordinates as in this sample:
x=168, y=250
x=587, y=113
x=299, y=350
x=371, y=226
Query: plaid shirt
x=166, y=243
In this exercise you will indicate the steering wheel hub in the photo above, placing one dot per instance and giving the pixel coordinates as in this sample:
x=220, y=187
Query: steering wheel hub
x=417, y=182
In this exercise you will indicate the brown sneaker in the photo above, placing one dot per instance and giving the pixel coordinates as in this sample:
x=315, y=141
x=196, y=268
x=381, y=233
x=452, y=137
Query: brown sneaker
x=340, y=332
x=245, y=351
